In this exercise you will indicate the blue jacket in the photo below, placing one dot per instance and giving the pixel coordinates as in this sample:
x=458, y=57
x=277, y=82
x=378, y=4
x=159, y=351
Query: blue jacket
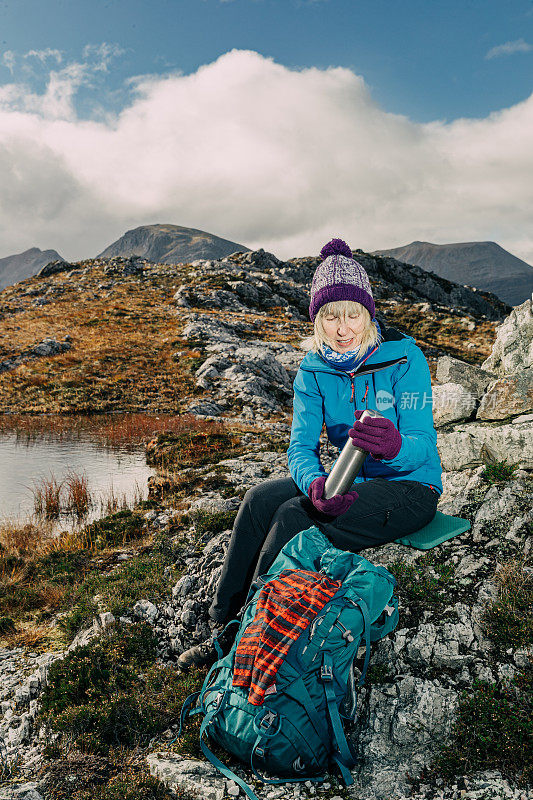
x=395, y=380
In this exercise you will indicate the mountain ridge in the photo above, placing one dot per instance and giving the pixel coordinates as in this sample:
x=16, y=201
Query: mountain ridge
x=484, y=265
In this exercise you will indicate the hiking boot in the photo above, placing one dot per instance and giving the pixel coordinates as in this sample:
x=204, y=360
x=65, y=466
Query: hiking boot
x=205, y=654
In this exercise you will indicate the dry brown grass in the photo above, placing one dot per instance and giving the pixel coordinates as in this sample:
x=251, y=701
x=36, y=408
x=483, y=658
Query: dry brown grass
x=47, y=496
x=122, y=348
x=78, y=498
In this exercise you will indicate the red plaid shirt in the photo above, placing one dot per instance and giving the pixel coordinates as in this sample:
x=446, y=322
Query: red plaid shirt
x=286, y=606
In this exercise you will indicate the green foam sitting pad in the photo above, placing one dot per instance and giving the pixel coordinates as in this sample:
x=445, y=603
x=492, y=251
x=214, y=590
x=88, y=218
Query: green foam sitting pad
x=441, y=528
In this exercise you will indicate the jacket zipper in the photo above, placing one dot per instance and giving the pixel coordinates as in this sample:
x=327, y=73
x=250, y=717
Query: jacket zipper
x=375, y=368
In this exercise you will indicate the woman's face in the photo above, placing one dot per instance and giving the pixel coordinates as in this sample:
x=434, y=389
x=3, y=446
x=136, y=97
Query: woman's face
x=344, y=333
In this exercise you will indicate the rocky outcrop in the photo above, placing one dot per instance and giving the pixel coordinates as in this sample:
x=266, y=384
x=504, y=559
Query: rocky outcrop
x=47, y=347
x=502, y=389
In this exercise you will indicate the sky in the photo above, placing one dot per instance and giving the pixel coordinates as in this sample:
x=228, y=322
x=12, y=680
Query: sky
x=272, y=123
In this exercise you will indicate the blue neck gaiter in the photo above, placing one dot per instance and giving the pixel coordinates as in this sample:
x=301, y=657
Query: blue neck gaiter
x=351, y=359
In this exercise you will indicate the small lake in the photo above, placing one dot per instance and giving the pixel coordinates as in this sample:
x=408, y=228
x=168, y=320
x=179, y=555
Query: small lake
x=113, y=472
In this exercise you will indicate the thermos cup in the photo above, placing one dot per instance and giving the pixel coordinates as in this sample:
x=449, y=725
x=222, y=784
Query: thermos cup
x=348, y=464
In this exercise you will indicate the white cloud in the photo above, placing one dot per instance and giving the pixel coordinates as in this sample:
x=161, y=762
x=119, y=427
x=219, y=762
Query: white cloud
x=261, y=154
x=510, y=48
x=42, y=55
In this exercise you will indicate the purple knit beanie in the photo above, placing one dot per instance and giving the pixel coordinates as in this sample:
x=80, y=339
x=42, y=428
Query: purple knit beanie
x=339, y=277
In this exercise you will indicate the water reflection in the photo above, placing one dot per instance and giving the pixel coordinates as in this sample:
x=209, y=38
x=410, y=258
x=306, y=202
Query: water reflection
x=29, y=457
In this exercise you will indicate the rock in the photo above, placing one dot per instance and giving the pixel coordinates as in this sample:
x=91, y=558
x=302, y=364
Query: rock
x=451, y=402
x=49, y=347
x=512, y=394
x=21, y=791
x=145, y=610
x=513, y=349
x=204, y=408
x=472, y=378
x=179, y=773
x=461, y=448
x=400, y=732
x=53, y=267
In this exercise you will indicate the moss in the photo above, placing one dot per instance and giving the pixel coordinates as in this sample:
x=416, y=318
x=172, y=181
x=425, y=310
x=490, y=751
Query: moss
x=100, y=666
x=6, y=625
x=62, y=567
x=146, y=575
x=493, y=730
x=110, y=692
x=377, y=674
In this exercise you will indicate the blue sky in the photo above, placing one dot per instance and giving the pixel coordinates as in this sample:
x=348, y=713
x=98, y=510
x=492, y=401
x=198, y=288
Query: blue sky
x=425, y=59
x=425, y=106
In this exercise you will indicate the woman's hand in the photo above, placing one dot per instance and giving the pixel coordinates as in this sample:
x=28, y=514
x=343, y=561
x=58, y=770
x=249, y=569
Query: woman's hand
x=377, y=435
x=336, y=505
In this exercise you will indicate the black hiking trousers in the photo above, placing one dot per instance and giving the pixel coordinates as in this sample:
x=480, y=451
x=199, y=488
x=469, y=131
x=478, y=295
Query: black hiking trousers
x=276, y=510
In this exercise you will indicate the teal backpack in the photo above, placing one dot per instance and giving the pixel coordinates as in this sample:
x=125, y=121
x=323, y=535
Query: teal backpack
x=298, y=731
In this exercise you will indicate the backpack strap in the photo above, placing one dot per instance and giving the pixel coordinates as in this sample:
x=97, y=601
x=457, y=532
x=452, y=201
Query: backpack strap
x=185, y=710
x=360, y=603
x=344, y=758
x=211, y=757
x=298, y=691
x=218, y=648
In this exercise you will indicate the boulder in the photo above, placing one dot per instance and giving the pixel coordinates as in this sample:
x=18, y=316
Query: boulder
x=513, y=349
x=451, y=402
x=506, y=396
x=452, y=370
x=53, y=267
x=185, y=774
x=461, y=448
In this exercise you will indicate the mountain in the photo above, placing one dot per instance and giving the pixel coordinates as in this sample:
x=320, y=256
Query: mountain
x=24, y=265
x=484, y=265
x=171, y=244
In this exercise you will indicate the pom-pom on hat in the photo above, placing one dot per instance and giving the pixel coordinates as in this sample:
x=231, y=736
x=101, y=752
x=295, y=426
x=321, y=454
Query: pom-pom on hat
x=339, y=277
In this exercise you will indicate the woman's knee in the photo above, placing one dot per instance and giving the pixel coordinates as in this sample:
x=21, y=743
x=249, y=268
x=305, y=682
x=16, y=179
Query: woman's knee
x=297, y=508
x=268, y=493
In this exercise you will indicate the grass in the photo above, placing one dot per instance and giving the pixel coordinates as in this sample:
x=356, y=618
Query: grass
x=47, y=497
x=194, y=446
x=499, y=471
x=78, y=497
x=423, y=584
x=43, y=576
x=208, y=523
x=508, y=620
x=71, y=496
x=106, y=701
x=493, y=730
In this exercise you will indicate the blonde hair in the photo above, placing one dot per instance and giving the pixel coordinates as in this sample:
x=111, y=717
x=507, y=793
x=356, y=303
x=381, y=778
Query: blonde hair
x=341, y=308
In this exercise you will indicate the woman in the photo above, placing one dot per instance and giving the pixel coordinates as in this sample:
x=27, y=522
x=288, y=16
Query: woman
x=353, y=363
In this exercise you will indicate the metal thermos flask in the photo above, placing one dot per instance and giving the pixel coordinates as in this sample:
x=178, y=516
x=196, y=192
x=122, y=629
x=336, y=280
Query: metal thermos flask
x=348, y=464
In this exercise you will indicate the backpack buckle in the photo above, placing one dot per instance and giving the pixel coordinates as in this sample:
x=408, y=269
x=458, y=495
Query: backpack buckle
x=263, y=726
x=326, y=673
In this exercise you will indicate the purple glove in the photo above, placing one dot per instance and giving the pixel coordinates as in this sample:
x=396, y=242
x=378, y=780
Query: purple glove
x=377, y=435
x=336, y=505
